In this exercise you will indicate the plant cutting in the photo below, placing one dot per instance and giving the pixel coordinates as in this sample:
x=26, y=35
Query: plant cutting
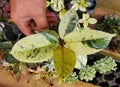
x=63, y=51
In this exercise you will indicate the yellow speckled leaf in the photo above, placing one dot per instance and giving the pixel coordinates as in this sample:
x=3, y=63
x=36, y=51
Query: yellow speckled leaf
x=64, y=61
x=35, y=48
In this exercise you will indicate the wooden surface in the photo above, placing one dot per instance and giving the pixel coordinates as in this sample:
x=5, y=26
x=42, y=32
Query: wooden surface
x=7, y=80
x=111, y=4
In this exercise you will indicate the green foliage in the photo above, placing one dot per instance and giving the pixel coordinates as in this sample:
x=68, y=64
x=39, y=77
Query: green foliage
x=111, y=24
x=64, y=62
x=87, y=73
x=35, y=48
x=72, y=78
x=87, y=41
x=81, y=61
x=1, y=33
x=102, y=66
x=16, y=68
x=57, y=5
x=105, y=65
x=9, y=58
x=5, y=45
x=68, y=23
x=86, y=35
x=72, y=41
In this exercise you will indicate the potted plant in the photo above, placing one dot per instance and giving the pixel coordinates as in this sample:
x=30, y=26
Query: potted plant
x=62, y=54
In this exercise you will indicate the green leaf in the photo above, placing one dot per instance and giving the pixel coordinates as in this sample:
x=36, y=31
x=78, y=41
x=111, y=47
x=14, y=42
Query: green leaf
x=62, y=13
x=57, y=5
x=87, y=41
x=81, y=49
x=6, y=45
x=52, y=33
x=105, y=65
x=64, y=61
x=10, y=58
x=35, y=48
x=87, y=73
x=86, y=34
x=23, y=67
x=81, y=61
x=1, y=33
x=47, y=3
x=16, y=68
x=68, y=23
x=98, y=44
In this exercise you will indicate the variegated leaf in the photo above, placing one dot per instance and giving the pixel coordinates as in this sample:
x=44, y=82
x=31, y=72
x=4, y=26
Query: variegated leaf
x=68, y=23
x=81, y=49
x=86, y=35
x=52, y=33
x=88, y=41
x=35, y=48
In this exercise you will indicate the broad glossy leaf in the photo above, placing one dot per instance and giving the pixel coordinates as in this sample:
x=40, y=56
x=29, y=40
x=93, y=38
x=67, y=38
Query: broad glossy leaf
x=87, y=34
x=62, y=13
x=64, y=62
x=68, y=23
x=88, y=41
x=52, y=33
x=35, y=48
x=98, y=43
x=81, y=49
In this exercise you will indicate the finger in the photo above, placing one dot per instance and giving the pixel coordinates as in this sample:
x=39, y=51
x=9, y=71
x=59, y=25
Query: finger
x=40, y=23
x=52, y=17
x=25, y=28
x=52, y=20
x=50, y=14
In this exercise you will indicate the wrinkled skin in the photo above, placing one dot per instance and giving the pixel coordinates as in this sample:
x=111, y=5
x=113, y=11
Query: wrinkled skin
x=31, y=15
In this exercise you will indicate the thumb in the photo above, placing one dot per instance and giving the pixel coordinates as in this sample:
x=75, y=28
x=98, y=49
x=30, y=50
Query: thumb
x=25, y=28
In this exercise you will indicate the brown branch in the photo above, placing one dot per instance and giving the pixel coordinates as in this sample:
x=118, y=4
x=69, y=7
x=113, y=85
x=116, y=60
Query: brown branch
x=111, y=54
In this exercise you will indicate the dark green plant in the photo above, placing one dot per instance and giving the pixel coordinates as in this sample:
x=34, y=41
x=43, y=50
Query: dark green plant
x=111, y=24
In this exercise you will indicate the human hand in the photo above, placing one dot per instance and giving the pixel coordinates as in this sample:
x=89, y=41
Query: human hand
x=52, y=18
x=30, y=15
